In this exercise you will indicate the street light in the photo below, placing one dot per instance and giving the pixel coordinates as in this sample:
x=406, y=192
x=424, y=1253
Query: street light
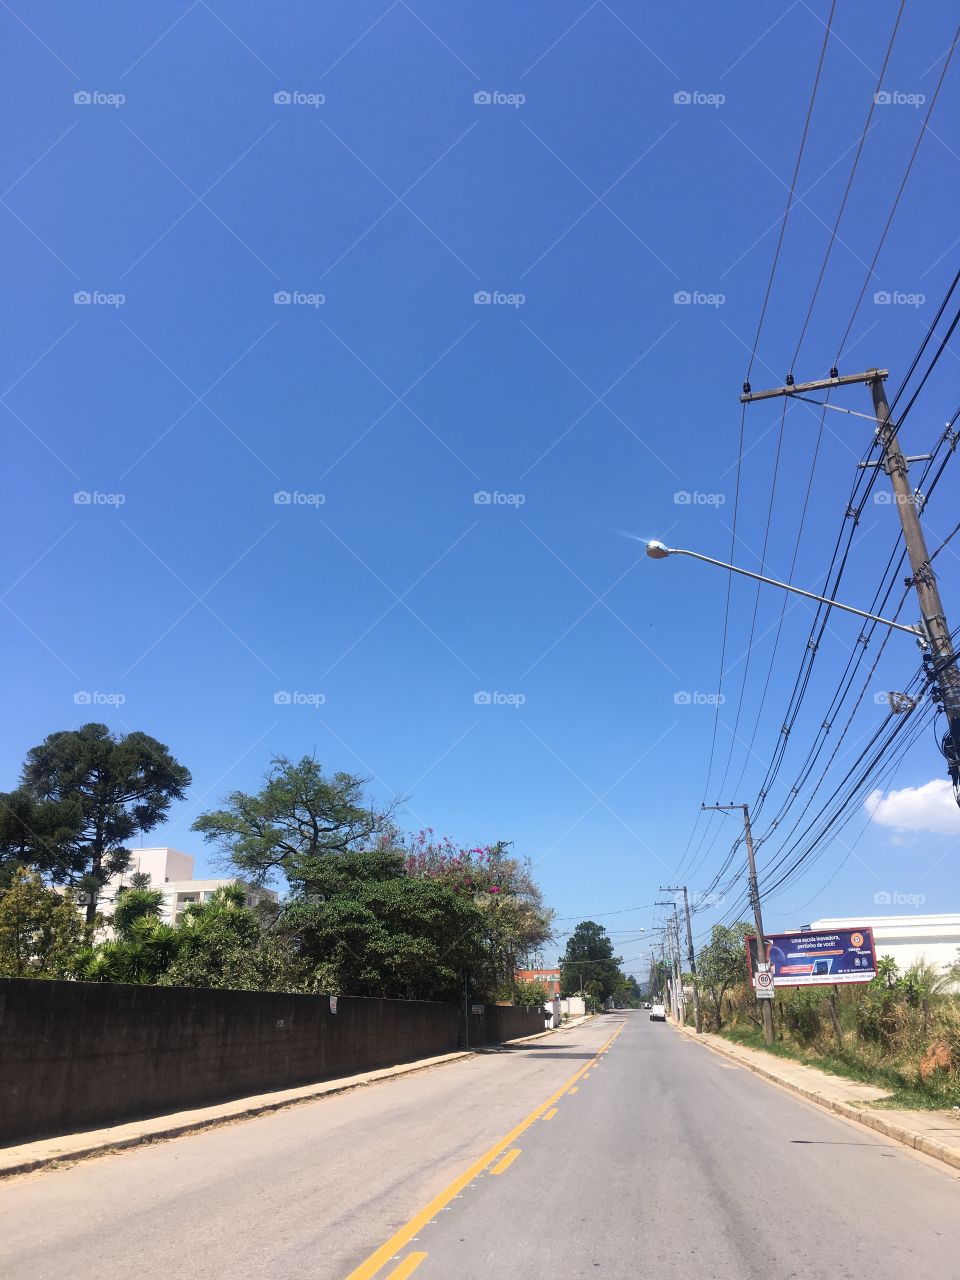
x=657, y=550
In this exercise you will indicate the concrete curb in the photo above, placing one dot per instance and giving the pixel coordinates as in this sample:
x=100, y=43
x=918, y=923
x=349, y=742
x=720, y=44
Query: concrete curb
x=29, y=1157
x=870, y=1119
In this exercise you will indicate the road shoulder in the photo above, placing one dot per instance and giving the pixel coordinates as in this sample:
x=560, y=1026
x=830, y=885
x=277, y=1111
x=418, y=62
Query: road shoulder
x=934, y=1133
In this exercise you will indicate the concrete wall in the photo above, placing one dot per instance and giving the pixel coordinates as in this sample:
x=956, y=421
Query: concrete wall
x=81, y=1055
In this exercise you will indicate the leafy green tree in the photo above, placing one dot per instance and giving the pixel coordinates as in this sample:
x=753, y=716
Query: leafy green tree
x=503, y=889
x=293, y=823
x=371, y=929
x=40, y=930
x=589, y=964
x=142, y=956
x=118, y=787
x=722, y=964
x=37, y=834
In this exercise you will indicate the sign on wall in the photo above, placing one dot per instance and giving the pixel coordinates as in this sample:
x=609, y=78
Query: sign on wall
x=817, y=958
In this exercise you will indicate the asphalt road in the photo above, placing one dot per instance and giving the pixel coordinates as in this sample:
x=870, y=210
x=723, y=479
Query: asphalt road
x=660, y=1159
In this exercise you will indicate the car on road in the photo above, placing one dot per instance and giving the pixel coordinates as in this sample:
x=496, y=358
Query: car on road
x=658, y=1013
x=648, y=1005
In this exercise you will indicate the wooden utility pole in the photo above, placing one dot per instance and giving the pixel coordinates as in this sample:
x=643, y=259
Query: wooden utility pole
x=754, y=892
x=941, y=661
x=691, y=955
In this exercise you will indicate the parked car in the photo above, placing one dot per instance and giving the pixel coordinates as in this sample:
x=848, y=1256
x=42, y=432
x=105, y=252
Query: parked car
x=648, y=1005
x=658, y=1013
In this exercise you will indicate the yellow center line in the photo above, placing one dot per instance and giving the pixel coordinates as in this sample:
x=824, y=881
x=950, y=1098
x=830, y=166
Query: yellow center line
x=503, y=1165
x=551, y=1113
x=406, y=1267
x=399, y=1239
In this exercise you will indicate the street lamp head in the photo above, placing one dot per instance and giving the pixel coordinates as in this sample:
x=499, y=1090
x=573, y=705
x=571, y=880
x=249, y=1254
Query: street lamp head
x=657, y=550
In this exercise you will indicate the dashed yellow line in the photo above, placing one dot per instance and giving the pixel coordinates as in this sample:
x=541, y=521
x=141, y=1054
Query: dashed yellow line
x=389, y=1250
x=406, y=1267
x=503, y=1165
x=551, y=1113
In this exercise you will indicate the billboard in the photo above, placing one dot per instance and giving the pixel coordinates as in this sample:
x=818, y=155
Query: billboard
x=817, y=958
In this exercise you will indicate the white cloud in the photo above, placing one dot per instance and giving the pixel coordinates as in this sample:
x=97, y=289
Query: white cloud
x=930, y=807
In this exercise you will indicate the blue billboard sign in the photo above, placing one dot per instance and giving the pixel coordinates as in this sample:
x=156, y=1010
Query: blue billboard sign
x=816, y=958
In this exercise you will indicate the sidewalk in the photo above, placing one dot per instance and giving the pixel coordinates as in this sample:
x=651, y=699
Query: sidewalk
x=27, y=1157
x=935, y=1133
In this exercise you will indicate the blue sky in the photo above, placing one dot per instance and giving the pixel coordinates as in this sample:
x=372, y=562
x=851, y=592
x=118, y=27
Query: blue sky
x=581, y=165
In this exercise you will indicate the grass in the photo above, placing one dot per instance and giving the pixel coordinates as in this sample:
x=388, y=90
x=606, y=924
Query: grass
x=904, y=1095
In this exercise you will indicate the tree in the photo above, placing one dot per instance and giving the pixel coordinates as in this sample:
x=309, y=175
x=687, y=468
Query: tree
x=224, y=943
x=501, y=886
x=40, y=930
x=118, y=788
x=589, y=964
x=133, y=905
x=36, y=834
x=722, y=964
x=296, y=820
x=368, y=928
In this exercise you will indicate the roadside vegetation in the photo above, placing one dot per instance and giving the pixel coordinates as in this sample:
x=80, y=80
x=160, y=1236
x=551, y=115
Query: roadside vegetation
x=900, y=1032
x=365, y=908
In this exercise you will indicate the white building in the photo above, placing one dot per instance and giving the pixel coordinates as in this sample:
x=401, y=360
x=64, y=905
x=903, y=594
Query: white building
x=935, y=939
x=171, y=872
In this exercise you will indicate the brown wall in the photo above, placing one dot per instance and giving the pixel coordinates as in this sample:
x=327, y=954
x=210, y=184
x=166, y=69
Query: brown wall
x=80, y=1055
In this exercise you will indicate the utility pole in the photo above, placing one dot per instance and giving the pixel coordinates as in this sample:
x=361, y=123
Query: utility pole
x=679, y=1004
x=691, y=956
x=765, y=1010
x=941, y=662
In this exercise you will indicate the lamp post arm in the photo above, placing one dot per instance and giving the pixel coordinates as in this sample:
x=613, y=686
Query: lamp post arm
x=810, y=595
